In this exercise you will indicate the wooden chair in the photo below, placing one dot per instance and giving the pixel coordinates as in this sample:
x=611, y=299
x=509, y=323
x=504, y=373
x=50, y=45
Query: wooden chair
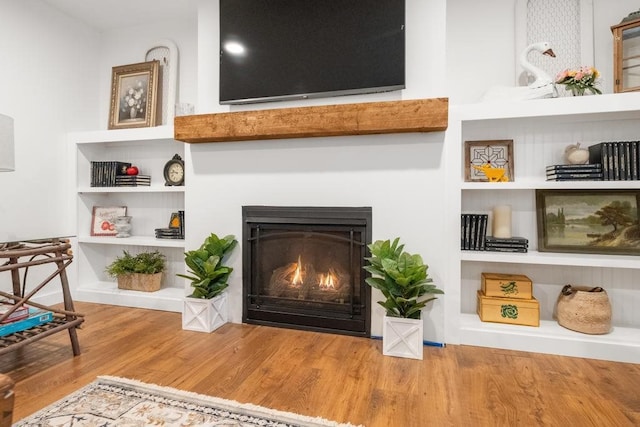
x=6, y=400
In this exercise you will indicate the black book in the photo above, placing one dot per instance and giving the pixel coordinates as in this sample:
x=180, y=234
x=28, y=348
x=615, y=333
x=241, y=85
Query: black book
x=622, y=160
x=616, y=160
x=596, y=153
x=608, y=155
x=467, y=230
x=518, y=250
x=594, y=176
x=600, y=154
x=472, y=232
x=627, y=160
x=484, y=219
x=635, y=160
x=490, y=246
x=181, y=215
x=589, y=167
x=491, y=239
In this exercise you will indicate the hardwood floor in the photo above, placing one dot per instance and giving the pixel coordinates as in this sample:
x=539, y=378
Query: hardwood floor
x=342, y=378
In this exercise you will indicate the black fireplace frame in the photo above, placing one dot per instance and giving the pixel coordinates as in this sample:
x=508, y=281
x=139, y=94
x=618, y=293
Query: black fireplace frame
x=359, y=218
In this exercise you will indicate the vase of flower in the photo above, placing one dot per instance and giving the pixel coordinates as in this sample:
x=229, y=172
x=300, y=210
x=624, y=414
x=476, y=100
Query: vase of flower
x=133, y=112
x=577, y=91
x=581, y=81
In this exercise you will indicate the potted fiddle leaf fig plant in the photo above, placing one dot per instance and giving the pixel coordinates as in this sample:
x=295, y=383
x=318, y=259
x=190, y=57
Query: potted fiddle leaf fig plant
x=403, y=280
x=205, y=309
x=141, y=272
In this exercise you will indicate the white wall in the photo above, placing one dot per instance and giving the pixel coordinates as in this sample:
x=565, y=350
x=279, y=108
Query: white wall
x=481, y=48
x=129, y=45
x=399, y=176
x=48, y=84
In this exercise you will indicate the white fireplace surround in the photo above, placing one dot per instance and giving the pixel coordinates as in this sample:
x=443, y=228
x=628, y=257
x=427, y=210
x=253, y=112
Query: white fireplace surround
x=399, y=176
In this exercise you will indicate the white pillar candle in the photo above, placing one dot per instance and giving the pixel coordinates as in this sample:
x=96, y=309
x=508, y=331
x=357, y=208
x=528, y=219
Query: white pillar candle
x=501, y=225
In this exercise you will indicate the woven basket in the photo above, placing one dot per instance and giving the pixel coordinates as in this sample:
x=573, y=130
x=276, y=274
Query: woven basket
x=584, y=309
x=140, y=282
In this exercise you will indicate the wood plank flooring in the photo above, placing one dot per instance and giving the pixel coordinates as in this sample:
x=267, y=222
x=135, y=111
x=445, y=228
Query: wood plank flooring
x=346, y=379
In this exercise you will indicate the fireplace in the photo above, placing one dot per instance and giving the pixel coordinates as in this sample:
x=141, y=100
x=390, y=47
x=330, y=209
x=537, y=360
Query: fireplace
x=302, y=268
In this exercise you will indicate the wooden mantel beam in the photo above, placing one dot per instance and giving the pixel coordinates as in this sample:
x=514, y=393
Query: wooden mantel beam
x=419, y=115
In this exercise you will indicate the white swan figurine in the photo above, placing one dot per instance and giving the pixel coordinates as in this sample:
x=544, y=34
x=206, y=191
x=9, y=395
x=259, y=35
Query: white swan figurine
x=541, y=87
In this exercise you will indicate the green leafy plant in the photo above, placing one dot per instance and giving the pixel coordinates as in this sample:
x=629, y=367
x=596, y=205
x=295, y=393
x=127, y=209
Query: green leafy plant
x=144, y=263
x=401, y=277
x=207, y=273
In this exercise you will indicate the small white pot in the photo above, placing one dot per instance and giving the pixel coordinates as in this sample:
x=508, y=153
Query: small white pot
x=205, y=315
x=402, y=337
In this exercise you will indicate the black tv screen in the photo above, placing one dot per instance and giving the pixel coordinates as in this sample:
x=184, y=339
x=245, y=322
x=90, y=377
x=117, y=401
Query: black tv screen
x=296, y=49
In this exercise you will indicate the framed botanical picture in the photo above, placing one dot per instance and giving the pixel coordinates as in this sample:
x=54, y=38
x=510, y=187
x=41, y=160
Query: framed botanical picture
x=480, y=157
x=134, y=95
x=588, y=221
x=103, y=219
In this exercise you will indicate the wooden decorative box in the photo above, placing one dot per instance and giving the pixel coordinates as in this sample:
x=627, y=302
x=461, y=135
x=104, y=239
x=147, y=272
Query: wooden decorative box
x=509, y=310
x=507, y=285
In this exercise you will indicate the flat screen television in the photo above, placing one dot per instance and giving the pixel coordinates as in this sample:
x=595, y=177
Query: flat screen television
x=296, y=49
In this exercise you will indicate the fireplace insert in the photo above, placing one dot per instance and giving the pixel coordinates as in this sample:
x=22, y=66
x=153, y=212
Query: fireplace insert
x=302, y=268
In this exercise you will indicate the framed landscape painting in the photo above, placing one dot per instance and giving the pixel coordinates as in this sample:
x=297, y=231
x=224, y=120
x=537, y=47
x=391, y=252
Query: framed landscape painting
x=588, y=221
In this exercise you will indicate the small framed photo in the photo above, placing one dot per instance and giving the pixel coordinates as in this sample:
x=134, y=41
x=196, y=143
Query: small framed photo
x=134, y=95
x=488, y=154
x=588, y=221
x=103, y=219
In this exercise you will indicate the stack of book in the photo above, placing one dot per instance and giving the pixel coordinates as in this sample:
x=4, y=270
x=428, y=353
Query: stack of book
x=620, y=160
x=132, y=180
x=586, y=172
x=506, y=244
x=27, y=318
x=103, y=174
x=473, y=231
x=168, y=233
x=19, y=313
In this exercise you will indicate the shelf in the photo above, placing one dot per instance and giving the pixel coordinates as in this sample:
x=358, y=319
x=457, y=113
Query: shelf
x=618, y=106
x=553, y=258
x=122, y=135
x=621, y=344
x=139, y=189
x=149, y=148
x=132, y=241
x=550, y=185
x=416, y=115
x=541, y=130
x=166, y=299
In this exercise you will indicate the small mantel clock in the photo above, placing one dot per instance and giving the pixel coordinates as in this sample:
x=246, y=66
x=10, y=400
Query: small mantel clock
x=174, y=171
x=626, y=54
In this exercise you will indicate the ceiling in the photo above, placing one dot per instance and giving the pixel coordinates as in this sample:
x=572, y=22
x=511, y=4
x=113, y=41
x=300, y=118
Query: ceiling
x=105, y=15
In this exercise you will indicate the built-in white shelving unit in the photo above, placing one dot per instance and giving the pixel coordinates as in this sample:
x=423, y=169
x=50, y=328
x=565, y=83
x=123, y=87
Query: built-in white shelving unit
x=150, y=206
x=540, y=130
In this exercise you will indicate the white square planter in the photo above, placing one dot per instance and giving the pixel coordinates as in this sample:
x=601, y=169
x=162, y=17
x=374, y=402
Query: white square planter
x=204, y=315
x=402, y=337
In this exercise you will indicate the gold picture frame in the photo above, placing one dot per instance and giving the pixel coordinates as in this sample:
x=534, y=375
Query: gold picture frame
x=588, y=221
x=134, y=95
x=496, y=153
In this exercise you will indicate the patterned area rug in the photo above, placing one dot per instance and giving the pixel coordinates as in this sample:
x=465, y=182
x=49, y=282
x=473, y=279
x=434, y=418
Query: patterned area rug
x=113, y=401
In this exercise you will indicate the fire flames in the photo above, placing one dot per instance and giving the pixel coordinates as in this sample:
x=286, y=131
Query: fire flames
x=297, y=280
x=326, y=281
